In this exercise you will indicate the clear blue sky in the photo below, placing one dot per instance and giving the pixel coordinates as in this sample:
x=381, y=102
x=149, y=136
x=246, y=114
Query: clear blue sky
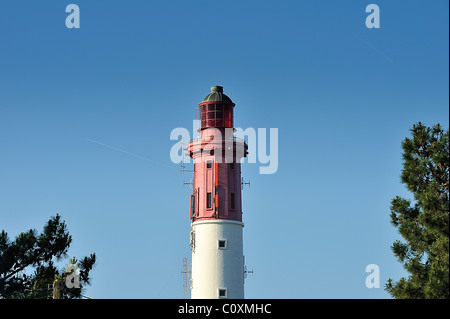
x=342, y=96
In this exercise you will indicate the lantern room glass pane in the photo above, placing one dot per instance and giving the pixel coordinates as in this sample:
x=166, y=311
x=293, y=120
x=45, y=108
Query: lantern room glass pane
x=202, y=112
x=216, y=115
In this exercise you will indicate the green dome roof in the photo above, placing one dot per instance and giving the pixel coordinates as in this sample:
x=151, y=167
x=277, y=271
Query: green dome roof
x=217, y=95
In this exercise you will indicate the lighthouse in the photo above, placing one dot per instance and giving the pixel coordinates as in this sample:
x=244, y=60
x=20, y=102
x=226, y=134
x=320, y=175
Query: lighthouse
x=216, y=204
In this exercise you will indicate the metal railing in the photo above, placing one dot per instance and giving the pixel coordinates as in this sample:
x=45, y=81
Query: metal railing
x=215, y=139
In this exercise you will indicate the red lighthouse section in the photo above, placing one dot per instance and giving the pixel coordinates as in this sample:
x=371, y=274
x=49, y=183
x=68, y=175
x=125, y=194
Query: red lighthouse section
x=216, y=109
x=217, y=169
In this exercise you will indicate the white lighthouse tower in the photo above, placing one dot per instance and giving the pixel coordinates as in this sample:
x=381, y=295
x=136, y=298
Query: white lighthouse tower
x=216, y=204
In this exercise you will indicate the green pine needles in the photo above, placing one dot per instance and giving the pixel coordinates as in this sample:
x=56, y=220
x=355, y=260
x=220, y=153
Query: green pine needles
x=424, y=224
x=27, y=264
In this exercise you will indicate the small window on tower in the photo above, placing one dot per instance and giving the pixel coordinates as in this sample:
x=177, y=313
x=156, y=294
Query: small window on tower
x=208, y=200
x=232, y=201
x=222, y=293
x=208, y=164
x=222, y=244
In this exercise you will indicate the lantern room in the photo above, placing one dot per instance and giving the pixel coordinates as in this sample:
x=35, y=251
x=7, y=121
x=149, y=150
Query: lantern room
x=216, y=109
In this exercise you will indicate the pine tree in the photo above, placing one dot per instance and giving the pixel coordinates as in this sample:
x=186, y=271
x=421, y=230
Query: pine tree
x=423, y=224
x=27, y=263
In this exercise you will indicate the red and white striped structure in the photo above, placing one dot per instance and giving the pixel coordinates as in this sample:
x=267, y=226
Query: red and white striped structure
x=216, y=204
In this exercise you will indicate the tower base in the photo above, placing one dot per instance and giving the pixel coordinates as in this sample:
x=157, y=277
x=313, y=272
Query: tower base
x=217, y=259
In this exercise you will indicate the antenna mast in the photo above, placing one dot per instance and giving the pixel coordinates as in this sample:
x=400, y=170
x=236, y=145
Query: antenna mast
x=186, y=272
